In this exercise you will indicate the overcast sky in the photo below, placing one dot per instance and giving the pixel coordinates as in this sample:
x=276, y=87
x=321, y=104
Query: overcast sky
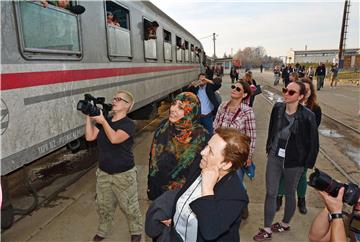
x=275, y=25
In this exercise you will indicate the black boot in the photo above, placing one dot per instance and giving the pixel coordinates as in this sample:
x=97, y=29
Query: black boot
x=278, y=202
x=302, y=205
x=135, y=237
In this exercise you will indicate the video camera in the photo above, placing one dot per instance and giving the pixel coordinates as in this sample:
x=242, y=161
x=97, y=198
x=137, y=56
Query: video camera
x=88, y=106
x=323, y=182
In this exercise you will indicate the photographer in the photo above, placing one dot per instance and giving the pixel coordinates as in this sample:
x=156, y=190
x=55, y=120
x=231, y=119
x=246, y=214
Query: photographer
x=331, y=223
x=116, y=177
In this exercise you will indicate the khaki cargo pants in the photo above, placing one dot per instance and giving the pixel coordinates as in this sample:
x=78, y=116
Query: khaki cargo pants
x=120, y=188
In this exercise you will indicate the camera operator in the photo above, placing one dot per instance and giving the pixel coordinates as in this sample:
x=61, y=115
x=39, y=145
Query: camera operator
x=116, y=177
x=330, y=224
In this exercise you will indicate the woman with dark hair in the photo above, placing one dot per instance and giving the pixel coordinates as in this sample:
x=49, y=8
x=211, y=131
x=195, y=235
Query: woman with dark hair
x=292, y=145
x=176, y=142
x=248, y=77
x=209, y=205
x=309, y=101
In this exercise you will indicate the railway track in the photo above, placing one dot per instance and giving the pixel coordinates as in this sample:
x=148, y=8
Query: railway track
x=272, y=95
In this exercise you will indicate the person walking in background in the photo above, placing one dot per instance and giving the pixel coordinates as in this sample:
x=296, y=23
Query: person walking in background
x=261, y=68
x=232, y=74
x=205, y=90
x=176, y=142
x=310, y=73
x=285, y=74
x=334, y=71
x=116, y=177
x=320, y=74
x=310, y=101
x=248, y=77
x=292, y=145
x=277, y=73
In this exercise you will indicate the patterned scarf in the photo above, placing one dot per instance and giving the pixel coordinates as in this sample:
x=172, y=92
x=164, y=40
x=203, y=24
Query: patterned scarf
x=175, y=146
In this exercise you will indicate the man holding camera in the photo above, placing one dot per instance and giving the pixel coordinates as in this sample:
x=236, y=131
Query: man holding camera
x=205, y=90
x=329, y=224
x=116, y=177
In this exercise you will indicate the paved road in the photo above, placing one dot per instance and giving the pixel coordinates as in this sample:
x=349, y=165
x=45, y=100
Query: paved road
x=72, y=216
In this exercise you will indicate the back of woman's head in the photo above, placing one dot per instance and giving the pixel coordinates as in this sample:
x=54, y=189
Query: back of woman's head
x=312, y=99
x=237, y=146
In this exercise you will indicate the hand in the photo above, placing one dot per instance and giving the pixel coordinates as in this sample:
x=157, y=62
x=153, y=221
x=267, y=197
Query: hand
x=100, y=119
x=166, y=222
x=248, y=163
x=333, y=204
x=210, y=176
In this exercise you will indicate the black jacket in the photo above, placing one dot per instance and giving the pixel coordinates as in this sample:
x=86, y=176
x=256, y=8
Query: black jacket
x=303, y=144
x=219, y=215
x=210, y=92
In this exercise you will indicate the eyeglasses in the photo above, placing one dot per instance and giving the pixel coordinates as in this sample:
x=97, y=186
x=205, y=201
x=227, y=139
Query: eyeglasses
x=238, y=89
x=118, y=99
x=290, y=92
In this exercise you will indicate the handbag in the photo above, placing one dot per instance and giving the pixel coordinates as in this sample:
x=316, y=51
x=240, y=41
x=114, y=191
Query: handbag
x=257, y=90
x=250, y=170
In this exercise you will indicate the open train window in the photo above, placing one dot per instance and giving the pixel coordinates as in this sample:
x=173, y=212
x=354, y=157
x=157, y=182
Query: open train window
x=167, y=46
x=118, y=31
x=50, y=32
x=186, y=46
x=150, y=35
x=179, y=49
x=192, y=53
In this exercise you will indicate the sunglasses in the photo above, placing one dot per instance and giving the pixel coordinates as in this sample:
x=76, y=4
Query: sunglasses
x=290, y=92
x=238, y=89
x=118, y=99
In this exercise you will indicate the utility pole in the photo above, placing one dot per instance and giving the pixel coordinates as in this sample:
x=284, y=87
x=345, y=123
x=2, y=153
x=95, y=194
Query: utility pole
x=214, y=38
x=343, y=33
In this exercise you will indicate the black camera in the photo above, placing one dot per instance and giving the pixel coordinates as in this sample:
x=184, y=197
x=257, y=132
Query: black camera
x=88, y=106
x=323, y=182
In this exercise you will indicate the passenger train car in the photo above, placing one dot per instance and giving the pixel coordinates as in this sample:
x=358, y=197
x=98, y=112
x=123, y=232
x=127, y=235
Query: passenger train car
x=51, y=57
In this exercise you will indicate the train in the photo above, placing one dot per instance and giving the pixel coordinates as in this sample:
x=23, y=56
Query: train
x=52, y=55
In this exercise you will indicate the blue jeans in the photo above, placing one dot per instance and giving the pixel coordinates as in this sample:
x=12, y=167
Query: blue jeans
x=207, y=122
x=240, y=172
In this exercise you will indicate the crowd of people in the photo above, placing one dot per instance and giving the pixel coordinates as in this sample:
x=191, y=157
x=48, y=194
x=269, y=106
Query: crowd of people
x=301, y=71
x=199, y=156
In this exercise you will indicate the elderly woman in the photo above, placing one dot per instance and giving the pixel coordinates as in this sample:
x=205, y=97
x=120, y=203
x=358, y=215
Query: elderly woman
x=176, y=143
x=209, y=205
x=292, y=146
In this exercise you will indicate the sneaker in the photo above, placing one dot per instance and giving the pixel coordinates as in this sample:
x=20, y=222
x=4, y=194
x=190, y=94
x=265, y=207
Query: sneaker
x=135, y=237
x=278, y=202
x=278, y=228
x=262, y=235
x=98, y=238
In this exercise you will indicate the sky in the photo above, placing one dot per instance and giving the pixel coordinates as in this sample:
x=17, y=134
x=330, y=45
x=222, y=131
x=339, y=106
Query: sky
x=278, y=26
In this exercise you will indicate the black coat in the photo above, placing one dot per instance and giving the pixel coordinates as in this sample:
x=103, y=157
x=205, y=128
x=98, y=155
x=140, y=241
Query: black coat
x=303, y=144
x=210, y=92
x=219, y=215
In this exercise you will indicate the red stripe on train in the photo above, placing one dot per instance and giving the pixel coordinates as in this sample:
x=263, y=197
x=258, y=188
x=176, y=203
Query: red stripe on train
x=31, y=79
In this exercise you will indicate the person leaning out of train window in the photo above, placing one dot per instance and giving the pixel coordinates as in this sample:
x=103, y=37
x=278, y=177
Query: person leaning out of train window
x=209, y=205
x=176, y=143
x=309, y=101
x=205, y=90
x=332, y=224
x=292, y=145
x=150, y=30
x=116, y=176
x=65, y=4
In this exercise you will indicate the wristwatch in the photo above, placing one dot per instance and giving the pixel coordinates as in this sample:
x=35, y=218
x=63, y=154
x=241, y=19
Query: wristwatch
x=332, y=216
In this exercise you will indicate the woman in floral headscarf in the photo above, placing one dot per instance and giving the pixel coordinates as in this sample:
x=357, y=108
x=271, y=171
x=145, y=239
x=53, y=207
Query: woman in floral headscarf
x=176, y=143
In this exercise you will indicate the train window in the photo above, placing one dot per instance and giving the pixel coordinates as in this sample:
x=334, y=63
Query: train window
x=50, y=30
x=150, y=28
x=192, y=55
x=118, y=31
x=179, y=49
x=167, y=46
x=186, y=46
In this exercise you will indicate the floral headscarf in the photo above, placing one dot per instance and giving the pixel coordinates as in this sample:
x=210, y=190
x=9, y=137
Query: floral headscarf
x=175, y=146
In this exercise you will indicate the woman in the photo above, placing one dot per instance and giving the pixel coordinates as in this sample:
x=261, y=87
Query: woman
x=309, y=101
x=249, y=79
x=176, y=143
x=237, y=114
x=292, y=146
x=277, y=74
x=209, y=206
x=116, y=177
x=310, y=73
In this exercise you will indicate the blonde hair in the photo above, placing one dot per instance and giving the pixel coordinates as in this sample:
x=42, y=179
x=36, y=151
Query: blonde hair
x=129, y=96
